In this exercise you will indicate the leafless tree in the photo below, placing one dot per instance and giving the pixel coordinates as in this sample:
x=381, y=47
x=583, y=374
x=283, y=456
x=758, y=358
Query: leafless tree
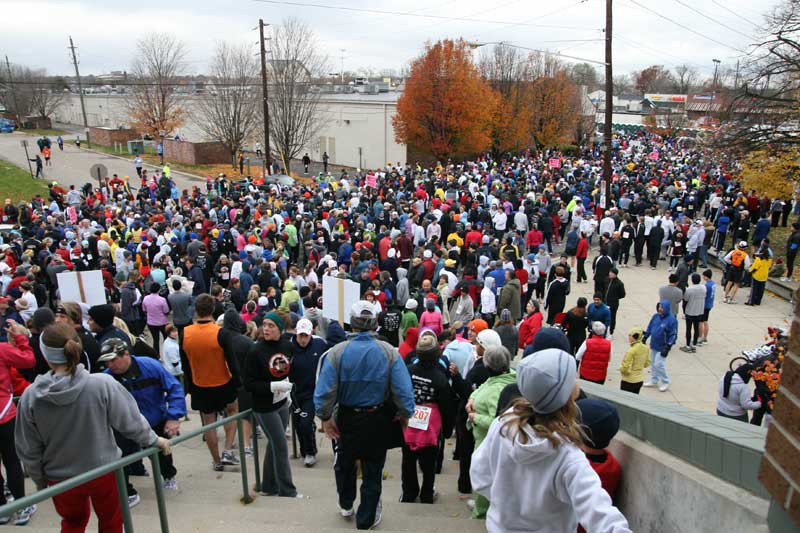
x=685, y=78
x=154, y=107
x=584, y=74
x=763, y=110
x=36, y=93
x=622, y=83
x=229, y=112
x=295, y=117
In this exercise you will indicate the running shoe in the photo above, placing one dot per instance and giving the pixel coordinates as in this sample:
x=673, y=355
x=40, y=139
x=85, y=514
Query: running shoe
x=23, y=516
x=171, y=484
x=228, y=458
x=133, y=500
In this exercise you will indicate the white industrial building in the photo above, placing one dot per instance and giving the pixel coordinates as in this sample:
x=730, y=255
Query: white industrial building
x=356, y=129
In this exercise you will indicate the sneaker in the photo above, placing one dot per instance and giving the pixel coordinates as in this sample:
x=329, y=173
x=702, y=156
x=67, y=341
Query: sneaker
x=701, y=342
x=686, y=349
x=664, y=387
x=650, y=384
x=378, y=515
x=248, y=451
x=133, y=500
x=310, y=460
x=171, y=484
x=228, y=458
x=23, y=516
x=693, y=349
x=5, y=519
x=217, y=467
x=784, y=278
x=346, y=513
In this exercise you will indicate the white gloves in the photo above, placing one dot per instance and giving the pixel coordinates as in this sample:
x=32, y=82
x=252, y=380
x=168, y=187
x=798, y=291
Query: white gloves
x=164, y=444
x=281, y=386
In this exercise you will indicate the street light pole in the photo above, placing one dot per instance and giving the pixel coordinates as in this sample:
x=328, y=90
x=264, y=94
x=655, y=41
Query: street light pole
x=265, y=91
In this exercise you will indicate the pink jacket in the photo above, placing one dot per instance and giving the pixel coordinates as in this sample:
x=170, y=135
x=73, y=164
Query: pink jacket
x=157, y=310
x=431, y=319
x=19, y=356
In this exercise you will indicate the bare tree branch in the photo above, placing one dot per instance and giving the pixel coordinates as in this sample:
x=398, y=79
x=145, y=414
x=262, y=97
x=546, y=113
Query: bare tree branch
x=228, y=111
x=294, y=115
x=153, y=106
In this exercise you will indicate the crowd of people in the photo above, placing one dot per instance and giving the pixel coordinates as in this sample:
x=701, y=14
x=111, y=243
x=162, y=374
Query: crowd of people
x=462, y=326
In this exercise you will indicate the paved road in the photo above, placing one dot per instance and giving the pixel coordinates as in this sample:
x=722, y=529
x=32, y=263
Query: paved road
x=71, y=167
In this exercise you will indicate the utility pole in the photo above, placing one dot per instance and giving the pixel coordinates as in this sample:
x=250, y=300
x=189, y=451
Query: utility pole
x=341, y=73
x=716, y=66
x=609, y=115
x=736, y=77
x=80, y=91
x=13, y=93
x=265, y=92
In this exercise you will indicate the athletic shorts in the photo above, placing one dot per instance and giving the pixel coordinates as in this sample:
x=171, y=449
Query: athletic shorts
x=735, y=275
x=704, y=318
x=209, y=400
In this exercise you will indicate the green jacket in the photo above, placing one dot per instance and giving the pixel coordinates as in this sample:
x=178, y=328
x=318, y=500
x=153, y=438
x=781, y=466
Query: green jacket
x=485, y=403
x=409, y=320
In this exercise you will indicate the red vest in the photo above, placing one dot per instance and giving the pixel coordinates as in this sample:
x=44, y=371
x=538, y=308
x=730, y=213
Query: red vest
x=594, y=364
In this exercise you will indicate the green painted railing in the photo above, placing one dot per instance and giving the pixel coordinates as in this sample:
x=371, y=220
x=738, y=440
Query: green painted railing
x=118, y=465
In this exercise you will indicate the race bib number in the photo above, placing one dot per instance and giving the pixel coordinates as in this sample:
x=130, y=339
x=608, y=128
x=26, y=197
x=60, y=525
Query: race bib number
x=421, y=418
x=626, y=235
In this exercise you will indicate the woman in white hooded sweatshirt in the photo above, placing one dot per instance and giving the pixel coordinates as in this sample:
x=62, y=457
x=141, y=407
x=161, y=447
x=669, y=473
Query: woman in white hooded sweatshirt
x=530, y=466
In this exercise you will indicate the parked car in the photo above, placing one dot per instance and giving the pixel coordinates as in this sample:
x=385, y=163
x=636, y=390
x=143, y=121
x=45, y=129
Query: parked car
x=7, y=125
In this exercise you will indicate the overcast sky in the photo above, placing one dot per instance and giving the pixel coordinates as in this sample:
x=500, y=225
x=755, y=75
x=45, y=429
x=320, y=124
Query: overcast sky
x=36, y=32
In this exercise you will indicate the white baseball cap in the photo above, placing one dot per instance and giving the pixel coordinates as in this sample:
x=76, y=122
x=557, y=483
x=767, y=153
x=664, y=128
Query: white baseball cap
x=304, y=325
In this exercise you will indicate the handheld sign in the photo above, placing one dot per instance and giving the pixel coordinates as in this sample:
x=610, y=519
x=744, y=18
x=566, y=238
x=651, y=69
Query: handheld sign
x=338, y=296
x=653, y=155
x=84, y=287
x=554, y=162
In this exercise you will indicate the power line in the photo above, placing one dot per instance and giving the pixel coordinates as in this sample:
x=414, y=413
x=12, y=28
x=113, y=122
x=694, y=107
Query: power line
x=540, y=17
x=737, y=15
x=412, y=14
x=656, y=13
x=712, y=19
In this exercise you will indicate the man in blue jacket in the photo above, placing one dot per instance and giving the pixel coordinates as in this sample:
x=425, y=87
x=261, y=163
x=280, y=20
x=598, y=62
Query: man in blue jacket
x=662, y=332
x=158, y=394
x=597, y=311
x=366, y=384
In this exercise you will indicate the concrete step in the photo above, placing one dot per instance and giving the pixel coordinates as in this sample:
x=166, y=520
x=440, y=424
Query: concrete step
x=209, y=500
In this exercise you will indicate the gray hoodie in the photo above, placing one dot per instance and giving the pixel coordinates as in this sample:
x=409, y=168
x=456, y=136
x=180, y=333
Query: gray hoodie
x=402, y=287
x=65, y=424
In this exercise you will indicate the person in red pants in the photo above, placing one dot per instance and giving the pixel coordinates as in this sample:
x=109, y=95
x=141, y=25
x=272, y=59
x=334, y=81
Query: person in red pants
x=65, y=426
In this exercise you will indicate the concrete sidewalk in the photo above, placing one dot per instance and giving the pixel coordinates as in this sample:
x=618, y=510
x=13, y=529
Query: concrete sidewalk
x=71, y=166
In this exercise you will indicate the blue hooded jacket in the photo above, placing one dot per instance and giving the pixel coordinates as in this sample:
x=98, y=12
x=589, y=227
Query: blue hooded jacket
x=662, y=329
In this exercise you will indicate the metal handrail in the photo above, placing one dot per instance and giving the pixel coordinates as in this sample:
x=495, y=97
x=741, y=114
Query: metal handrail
x=152, y=452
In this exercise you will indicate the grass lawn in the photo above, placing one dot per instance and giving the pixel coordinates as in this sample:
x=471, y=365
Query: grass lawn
x=16, y=183
x=49, y=133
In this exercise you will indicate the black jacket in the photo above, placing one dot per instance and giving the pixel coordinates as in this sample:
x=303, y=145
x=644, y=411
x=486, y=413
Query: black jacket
x=257, y=375
x=431, y=385
x=614, y=292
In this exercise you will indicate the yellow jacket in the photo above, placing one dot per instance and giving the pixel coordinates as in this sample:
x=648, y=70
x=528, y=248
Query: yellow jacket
x=635, y=361
x=760, y=269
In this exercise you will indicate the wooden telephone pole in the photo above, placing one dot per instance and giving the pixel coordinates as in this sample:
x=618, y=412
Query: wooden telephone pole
x=264, y=90
x=609, y=114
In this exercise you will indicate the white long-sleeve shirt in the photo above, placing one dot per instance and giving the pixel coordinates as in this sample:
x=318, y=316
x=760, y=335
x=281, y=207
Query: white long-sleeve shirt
x=534, y=487
x=488, y=301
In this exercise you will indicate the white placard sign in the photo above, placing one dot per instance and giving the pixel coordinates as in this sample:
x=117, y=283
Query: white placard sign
x=84, y=287
x=338, y=296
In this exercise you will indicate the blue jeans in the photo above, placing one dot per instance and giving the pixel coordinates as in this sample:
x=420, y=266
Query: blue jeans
x=345, y=470
x=659, y=367
x=703, y=250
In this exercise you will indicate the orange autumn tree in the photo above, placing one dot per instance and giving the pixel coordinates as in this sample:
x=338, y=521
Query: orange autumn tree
x=554, y=108
x=447, y=109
